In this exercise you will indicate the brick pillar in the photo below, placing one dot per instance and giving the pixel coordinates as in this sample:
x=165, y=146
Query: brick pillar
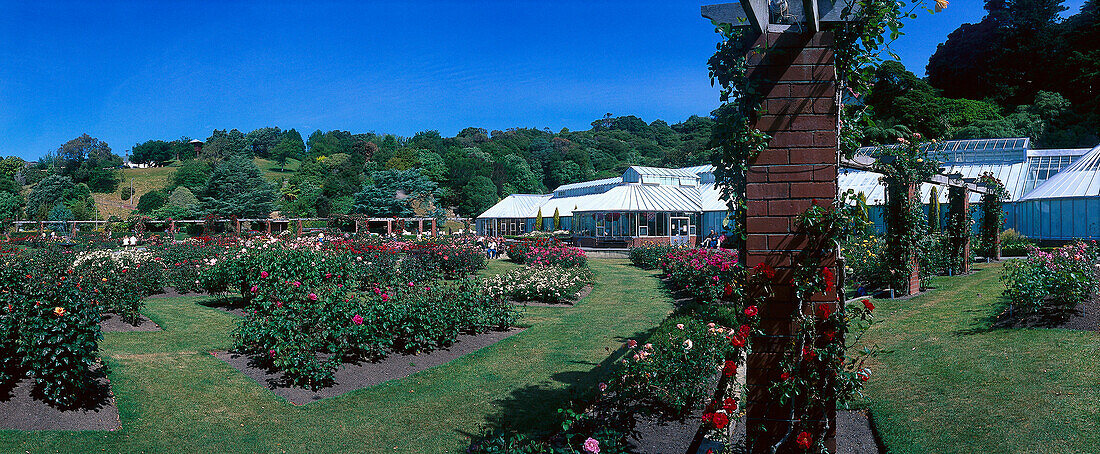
x=798, y=81
x=420, y=226
x=435, y=228
x=389, y=227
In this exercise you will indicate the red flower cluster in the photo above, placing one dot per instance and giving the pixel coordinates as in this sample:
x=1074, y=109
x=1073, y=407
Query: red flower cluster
x=804, y=440
x=730, y=369
x=763, y=269
x=718, y=420
x=867, y=303
x=830, y=279
x=751, y=311
x=824, y=310
x=730, y=404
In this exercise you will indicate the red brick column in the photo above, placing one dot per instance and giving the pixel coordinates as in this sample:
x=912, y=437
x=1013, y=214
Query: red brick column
x=798, y=80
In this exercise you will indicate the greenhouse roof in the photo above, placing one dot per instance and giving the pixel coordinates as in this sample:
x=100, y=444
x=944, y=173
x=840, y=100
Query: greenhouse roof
x=1013, y=176
x=664, y=172
x=589, y=184
x=972, y=150
x=1080, y=179
x=639, y=197
x=517, y=206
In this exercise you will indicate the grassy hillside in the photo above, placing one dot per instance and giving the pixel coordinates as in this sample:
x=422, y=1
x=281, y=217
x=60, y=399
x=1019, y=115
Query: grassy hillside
x=150, y=179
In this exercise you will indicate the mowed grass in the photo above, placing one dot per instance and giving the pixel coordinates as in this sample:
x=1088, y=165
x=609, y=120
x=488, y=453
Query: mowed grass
x=173, y=396
x=945, y=383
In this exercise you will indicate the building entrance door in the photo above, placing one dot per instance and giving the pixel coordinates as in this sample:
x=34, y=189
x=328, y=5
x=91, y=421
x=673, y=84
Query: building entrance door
x=680, y=231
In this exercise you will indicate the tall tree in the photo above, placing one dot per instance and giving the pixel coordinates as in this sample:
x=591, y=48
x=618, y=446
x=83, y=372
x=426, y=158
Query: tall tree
x=237, y=188
x=392, y=193
x=290, y=147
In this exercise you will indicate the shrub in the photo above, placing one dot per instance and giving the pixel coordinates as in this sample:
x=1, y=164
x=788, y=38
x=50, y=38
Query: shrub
x=863, y=258
x=57, y=340
x=184, y=261
x=1057, y=280
x=119, y=281
x=551, y=285
x=648, y=256
x=707, y=274
x=1013, y=244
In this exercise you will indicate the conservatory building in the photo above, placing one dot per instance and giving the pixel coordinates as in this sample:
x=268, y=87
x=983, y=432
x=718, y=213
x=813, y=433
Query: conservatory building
x=1054, y=194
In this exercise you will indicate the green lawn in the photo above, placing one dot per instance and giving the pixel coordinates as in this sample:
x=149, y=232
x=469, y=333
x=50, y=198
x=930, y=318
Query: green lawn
x=944, y=382
x=173, y=396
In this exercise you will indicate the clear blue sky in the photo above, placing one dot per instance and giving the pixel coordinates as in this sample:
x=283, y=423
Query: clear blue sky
x=126, y=72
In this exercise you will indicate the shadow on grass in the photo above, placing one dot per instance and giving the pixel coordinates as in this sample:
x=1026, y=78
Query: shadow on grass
x=533, y=409
x=232, y=304
x=1083, y=316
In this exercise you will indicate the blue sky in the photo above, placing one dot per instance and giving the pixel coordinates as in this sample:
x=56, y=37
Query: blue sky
x=126, y=72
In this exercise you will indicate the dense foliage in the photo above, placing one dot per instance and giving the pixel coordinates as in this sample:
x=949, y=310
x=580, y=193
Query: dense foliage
x=1053, y=281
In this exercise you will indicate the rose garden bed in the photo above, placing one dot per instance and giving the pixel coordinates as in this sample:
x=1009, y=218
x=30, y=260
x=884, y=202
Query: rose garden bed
x=361, y=374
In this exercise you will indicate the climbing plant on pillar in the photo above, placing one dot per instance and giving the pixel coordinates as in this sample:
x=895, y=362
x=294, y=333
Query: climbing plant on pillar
x=934, y=215
x=993, y=215
x=904, y=166
x=958, y=228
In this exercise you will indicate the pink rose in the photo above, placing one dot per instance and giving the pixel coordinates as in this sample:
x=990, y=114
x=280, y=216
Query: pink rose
x=313, y=297
x=255, y=289
x=592, y=446
x=357, y=319
x=264, y=274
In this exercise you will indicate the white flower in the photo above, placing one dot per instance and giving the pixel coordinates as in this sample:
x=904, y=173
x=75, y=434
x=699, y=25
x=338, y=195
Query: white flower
x=688, y=344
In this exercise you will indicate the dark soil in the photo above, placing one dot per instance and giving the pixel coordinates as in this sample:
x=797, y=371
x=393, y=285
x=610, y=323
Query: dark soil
x=113, y=323
x=1084, y=317
x=567, y=303
x=353, y=376
x=20, y=410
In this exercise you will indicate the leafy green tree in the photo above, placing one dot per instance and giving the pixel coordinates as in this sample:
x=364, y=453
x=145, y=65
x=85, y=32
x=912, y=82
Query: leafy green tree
x=263, y=140
x=934, y=215
x=480, y=194
x=151, y=151
x=432, y=165
x=237, y=188
x=11, y=206
x=290, y=147
x=557, y=219
x=11, y=166
x=392, y=193
x=63, y=214
x=538, y=220
x=224, y=144
x=151, y=201
x=87, y=160
x=49, y=192
x=192, y=174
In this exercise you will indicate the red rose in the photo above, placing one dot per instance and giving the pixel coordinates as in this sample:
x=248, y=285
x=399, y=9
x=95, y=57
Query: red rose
x=830, y=280
x=824, y=310
x=719, y=420
x=730, y=405
x=737, y=341
x=730, y=368
x=728, y=290
x=785, y=376
x=751, y=311
x=804, y=440
x=867, y=303
x=808, y=352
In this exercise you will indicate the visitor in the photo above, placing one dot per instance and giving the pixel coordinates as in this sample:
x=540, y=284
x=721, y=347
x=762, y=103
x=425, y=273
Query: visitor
x=712, y=240
x=492, y=248
x=321, y=238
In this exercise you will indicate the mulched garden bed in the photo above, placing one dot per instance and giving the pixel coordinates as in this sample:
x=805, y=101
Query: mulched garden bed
x=19, y=410
x=1084, y=317
x=353, y=376
x=567, y=303
x=113, y=323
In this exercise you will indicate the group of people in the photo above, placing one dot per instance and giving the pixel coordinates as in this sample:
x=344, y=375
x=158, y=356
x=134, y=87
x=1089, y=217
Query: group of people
x=491, y=245
x=713, y=240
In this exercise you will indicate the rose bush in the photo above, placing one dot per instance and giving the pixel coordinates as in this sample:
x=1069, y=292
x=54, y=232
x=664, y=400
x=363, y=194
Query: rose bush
x=649, y=255
x=710, y=275
x=1056, y=280
x=553, y=285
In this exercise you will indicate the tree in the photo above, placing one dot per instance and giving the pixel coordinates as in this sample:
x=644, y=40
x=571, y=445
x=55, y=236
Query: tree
x=290, y=147
x=49, y=192
x=11, y=206
x=557, y=219
x=192, y=174
x=538, y=220
x=432, y=165
x=237, y=188
x=392, y=193
x=480, y=193
x=11, y=165
x=87, y=160
x=151, y=201
x=224, y=144
x=151, y=151
x=263, y=140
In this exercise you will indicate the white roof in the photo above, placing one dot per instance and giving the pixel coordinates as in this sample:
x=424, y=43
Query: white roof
x=662, y=171
x=643, y=197
x=1080, y=179
x=517, y=206
x=711, y=199
x=1013, y=176
x=589, y=184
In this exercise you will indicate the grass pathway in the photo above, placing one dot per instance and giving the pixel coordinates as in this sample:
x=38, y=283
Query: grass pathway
x=173, y=396
x=944, y=382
